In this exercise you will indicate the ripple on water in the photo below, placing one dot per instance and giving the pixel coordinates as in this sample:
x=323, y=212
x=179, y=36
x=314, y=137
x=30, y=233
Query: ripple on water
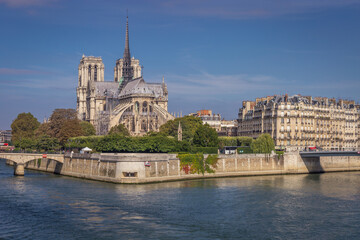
x=45, y=206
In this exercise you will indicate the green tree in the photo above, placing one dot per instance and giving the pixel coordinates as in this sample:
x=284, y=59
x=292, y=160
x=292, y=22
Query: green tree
x=263, y=144
x=70, y=128
x=25, y=143
x=195, y=163
x=24, y=126
x=87, y=128
x=45, y=142
x=120, y=130
x=58, y=118
x=205, y=136
x=189, y=124
x=235, y=141
x=43, y=129
x=63, y=124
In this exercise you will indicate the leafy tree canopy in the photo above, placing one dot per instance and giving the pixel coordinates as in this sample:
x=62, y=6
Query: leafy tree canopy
x=120, y=130
x=70, y=128
x=43, y=129
x=87, y=128
x=235, y=141
x=205, y=136
x=25, y=143
x=196, y=163
x=45, y=142
x=24, y=126
x=58, y=118
x=263, y=144
x=189, y=124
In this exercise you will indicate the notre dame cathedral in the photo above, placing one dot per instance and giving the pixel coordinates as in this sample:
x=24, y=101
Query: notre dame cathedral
x=140, y=106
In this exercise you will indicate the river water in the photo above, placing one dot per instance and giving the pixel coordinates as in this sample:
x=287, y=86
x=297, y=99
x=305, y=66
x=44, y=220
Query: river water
x=47, y=206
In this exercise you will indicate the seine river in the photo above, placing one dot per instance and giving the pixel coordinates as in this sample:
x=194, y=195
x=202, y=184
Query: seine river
x=47, y=206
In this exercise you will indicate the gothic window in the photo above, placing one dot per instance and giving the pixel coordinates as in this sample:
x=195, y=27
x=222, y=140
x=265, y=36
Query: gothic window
x=143, y=125
x=95, y=73
x=89, y=72
x=137, y=107
x=144, y=107
x=79, y=80
x=150, y=109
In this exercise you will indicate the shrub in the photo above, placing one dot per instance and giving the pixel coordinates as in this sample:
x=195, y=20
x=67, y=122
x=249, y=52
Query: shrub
x=206, y=150
x=244, y=150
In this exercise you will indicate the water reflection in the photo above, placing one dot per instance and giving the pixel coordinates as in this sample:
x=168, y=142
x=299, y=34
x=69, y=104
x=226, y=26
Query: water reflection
x=42, y=206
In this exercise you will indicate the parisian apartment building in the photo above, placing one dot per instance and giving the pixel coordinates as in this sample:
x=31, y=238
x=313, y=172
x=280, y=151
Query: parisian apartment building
x=300, y=122
x=222, y=127
x=5, y=136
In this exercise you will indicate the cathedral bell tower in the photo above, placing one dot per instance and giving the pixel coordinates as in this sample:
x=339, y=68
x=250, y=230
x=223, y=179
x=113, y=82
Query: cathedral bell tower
x=91, y=70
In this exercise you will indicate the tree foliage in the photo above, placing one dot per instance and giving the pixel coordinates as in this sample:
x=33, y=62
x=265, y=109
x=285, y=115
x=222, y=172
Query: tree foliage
x=119, y=143
x=70, y=128
x=189, y=124
x=263, y=144
x=43, y=129
x=57, y=120
x=196, y=163
x=25, y=143
x=84, y=141
x=235, y=141
x=87, y=128
x=24, y=126
x=205, y=136
x=63, y=125
x=120, y=130
x=46, y=143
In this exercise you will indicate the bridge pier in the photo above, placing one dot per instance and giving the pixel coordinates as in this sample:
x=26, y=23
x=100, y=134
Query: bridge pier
x=19, y=169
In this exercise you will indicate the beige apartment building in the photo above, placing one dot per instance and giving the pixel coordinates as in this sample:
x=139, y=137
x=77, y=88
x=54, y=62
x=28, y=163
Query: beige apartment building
x=222, y=127
x=299, y=122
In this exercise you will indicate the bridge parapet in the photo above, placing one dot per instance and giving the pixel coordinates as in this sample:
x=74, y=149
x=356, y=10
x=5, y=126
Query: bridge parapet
x=21, y=158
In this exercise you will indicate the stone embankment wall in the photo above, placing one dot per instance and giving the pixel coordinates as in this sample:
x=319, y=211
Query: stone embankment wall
x=144, y=168
x=301, y=164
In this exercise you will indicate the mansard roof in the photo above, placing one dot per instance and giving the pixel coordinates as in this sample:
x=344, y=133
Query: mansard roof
x=295, y=99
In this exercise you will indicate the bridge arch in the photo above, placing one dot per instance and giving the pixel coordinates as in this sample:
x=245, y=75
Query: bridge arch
x=20, y=159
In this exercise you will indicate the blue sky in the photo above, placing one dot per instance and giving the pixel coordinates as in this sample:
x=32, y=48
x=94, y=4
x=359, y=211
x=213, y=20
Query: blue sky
x=213, y=54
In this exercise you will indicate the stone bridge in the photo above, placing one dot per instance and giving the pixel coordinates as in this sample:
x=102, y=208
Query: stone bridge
x=19, y=159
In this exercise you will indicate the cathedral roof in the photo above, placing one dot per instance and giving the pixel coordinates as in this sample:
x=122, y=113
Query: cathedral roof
x=109, y=89
x=139, y=86
x=135, y=87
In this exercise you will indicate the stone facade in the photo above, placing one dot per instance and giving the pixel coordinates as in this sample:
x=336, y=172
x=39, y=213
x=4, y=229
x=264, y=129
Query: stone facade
x=128, y=100
x=299, y=122
x=146, y=168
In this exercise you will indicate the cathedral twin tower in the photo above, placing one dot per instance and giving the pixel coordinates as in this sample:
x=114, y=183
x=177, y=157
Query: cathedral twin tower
x=127, y=100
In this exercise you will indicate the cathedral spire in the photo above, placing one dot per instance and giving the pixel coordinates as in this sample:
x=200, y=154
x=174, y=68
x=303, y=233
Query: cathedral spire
x=127, y=70
x=127, y=48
